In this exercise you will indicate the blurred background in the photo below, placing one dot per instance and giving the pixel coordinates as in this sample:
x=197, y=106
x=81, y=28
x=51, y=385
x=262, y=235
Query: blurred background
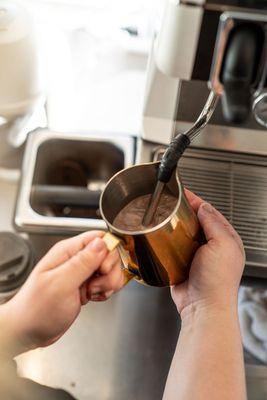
x=95, y=59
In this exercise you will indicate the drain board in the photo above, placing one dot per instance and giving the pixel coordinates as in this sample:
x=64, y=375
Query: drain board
x=236, y=184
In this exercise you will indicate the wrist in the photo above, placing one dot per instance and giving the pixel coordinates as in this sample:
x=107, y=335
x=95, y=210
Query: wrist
x=12, y=341
x=209, y=311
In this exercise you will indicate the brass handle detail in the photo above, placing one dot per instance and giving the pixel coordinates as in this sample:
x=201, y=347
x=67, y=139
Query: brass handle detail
x=112, y=242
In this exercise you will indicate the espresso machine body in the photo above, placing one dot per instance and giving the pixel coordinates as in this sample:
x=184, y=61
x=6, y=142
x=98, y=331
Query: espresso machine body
x=219, y=46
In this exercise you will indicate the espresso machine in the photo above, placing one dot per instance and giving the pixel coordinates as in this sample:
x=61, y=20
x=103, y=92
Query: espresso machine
x=217, y=48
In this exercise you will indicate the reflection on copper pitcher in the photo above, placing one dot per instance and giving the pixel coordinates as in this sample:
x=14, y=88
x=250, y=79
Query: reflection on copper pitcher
x=160, y=255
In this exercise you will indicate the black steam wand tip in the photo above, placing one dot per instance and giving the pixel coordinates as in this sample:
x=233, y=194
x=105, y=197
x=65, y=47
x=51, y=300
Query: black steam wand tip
x=171, y=157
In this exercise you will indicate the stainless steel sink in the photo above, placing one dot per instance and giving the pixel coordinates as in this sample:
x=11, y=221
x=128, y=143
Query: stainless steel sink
x=63, y=175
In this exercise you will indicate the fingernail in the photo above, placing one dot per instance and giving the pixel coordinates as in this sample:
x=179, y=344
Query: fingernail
x=206, y=207
x=97, y=245
x=95, y=290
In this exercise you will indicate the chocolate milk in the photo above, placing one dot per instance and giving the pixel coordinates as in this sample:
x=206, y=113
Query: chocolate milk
x=131, y=216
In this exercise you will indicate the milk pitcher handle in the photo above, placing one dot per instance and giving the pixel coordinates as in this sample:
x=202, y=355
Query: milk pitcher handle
x=112, y=242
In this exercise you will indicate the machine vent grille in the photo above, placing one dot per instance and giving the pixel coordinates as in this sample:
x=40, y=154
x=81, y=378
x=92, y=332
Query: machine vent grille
x=236, y=184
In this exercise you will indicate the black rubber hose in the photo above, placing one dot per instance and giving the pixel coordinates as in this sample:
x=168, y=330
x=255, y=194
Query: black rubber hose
x=171, y=157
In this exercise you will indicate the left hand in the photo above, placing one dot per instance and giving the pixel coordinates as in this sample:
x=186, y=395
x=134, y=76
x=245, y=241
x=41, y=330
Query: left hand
x=73, y=272
x=217, y=266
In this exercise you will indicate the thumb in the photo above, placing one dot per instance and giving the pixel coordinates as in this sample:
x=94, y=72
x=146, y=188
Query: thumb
x=212, y=226
x=85, y=262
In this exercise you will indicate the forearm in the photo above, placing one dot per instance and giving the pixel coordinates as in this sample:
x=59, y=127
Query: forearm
x=11, y=342
x=9, y=348
x=208, y=362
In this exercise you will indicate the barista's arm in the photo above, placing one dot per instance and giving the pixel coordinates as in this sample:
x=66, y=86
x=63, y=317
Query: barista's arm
x=51, y=299
x=208, y=361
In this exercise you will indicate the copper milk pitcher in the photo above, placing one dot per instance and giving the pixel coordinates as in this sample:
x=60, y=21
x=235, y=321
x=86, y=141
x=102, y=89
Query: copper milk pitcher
x=158, y=256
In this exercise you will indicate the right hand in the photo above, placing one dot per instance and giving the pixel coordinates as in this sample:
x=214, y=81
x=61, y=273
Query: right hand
x=217, y=266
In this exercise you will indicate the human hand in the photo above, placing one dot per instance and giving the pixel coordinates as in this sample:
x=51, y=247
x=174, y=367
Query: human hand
x=217, y=266
x=73, y=272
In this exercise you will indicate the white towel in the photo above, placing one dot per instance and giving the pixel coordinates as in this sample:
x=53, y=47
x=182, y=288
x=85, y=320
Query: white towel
x=252, y=308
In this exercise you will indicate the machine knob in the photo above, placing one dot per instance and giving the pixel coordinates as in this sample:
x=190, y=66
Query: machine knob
x=16, y=261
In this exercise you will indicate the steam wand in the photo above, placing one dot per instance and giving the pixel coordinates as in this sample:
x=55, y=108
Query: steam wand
x=174, y=152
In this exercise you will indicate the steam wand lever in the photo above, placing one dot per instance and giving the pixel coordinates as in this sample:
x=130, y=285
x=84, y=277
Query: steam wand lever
x=173, y=154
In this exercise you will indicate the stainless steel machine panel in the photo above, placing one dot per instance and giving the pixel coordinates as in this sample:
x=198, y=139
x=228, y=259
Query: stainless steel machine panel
x=236, y=184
